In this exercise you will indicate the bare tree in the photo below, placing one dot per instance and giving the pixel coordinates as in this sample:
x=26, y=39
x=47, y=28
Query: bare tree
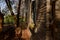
x=9, y=6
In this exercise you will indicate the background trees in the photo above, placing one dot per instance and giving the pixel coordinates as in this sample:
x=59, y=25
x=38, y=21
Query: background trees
x=31, y=13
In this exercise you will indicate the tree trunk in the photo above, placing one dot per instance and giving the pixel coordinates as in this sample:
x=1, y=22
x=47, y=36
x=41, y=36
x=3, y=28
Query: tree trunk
x=9, y=6
x=18, y=12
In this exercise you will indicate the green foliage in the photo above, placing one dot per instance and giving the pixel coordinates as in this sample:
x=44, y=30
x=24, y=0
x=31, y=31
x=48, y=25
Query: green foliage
x=21, y=20
x=9, y=19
